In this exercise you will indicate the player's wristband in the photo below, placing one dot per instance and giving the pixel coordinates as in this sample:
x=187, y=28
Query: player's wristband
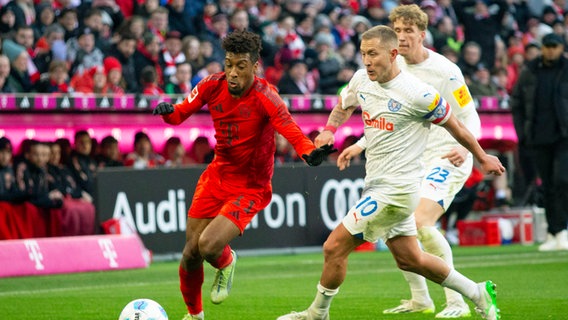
x=331, y=128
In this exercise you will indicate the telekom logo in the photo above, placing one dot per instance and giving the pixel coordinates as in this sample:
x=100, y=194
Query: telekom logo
x=108, y=252
x=34, y=252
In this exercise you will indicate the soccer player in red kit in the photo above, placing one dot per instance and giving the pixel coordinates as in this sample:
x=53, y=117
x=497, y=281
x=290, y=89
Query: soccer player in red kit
x=245, y=110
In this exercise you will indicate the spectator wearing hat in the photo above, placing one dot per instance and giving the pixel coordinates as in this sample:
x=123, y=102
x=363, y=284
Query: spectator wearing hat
x=171, y=55
x=541, y=122
x=82, y=54
x=23, y=10
x=148, y=54
x=123, y=51
x=56, y=80
x=115, y=81
x=19, y=78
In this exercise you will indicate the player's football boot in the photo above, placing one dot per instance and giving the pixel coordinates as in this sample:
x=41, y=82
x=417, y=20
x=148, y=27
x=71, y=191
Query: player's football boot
x=487, y=307
x=223, y=281
x=411, y=306
x=304, y=315
x=458, y=309
x=200, y=316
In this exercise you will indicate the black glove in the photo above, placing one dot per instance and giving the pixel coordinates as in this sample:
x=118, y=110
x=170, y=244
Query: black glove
x=163, y=108
x=316, y=157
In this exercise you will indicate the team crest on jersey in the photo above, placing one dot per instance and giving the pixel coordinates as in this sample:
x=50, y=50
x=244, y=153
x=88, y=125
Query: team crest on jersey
x=394, y=105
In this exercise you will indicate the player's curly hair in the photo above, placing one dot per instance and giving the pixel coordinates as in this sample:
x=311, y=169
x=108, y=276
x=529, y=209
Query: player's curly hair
x=243, y=42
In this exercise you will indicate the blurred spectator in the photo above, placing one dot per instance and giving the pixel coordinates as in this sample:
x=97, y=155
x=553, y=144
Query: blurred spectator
x=45, y=16
x=450, y=54
x=82, y=54
x=109, y=8
x=143, y=155
x=8, y=189
x=66, y=149
x=68, y=19
x=501, y=80
x=211, y=67
x=328, y=63
x=470, y=58
x=23, y=10
x=148, y=54
x=192, y=52
x=375, y=12
x=149, y=81
x=115, y=81
x=227, y=6
x=220, y=28
x=82, y=166
x=56, y=80
x=158, y=23
x=181, y=82
x=285, y=152
x=516, y=62
x=123, y=51
x=25, y=37
x=145, y=8
x=481, y=84
x=136, y=26
x=19, y=79
x=32, y=177
x=359, y=24
x=7, y=20
x=178, y=19
x=532, y=51
x=109, y=154
x=444, y=35
x=239, y=20
x=5, y=87
x=172, y=54
x=342, y=30
x=201, y=151
x=50, y=46
x=174, y=153
x=482, y=22
x=296, y=80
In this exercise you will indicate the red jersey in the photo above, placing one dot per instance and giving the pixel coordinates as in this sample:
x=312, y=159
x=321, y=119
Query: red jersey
x=244, y=128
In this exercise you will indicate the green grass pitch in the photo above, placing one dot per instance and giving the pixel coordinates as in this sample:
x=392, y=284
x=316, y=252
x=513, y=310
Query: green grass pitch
x=530, y=286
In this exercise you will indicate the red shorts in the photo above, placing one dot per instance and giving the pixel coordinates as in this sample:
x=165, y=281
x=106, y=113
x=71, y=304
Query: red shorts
x=238, y=204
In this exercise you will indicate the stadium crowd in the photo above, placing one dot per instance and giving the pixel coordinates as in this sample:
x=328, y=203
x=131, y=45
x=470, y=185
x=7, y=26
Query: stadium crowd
x=155, y=47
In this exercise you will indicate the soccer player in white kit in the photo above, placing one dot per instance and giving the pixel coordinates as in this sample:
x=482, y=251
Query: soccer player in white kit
x=448, y=164
x=397, y=111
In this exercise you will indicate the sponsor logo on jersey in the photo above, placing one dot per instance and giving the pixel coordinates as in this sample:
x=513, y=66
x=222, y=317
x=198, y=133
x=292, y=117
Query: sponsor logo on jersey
x=380, y=123
x=394, y=105
x=462, y=96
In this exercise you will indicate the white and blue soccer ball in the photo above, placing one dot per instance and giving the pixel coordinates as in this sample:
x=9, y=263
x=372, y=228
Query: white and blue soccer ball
x=143, y=309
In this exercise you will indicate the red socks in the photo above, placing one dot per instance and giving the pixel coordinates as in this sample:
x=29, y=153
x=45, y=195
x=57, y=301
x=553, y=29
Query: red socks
x=190, y=286
x=225, y=259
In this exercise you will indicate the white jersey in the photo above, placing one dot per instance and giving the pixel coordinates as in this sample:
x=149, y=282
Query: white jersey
x=396, y=117
x=448, y=79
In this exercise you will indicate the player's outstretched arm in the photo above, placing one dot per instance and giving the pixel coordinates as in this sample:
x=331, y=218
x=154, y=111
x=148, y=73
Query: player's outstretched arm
x=488, y=163
x=336, y=118
x=318, y=155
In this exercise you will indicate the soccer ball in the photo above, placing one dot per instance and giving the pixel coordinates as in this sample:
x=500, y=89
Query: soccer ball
x=143, y=309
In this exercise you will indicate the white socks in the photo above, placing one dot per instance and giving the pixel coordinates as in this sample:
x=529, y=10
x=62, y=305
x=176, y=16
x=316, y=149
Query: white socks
x=418, y=288
x=435, y=243
x=323, y=299
x=463, y=285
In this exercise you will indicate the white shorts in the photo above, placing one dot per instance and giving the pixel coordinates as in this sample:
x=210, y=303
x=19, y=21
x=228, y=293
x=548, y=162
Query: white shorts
x=375, y=216
x=443, y=180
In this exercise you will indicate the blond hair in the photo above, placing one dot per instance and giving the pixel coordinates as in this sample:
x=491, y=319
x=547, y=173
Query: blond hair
x=410, y=14
x=385, y=34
